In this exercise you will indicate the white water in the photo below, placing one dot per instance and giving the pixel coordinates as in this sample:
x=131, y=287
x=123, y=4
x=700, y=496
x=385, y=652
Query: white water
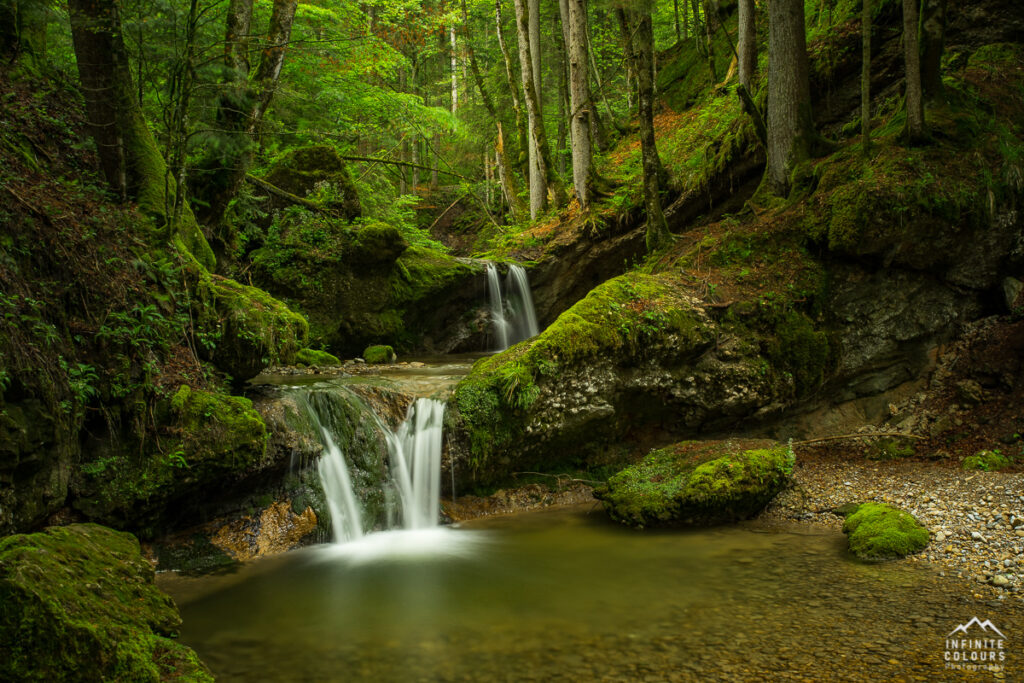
x=415, y=457
x=512, y=309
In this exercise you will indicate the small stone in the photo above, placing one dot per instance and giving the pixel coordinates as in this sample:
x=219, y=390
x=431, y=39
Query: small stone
x=977, y=536
x=1000, y=580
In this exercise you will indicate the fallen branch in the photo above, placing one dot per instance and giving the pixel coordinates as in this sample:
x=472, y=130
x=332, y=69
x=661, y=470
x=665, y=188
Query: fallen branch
x=375, y=160
x=868, y=435
x=445, y=212
x=559, y=477
x=288, y=196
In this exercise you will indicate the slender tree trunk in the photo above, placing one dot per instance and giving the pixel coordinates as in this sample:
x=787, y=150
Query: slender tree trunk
x=579, y=101
x=915, y=130
x=455, y=70
x=542, y=180
x=639, y=46
x=790, y=127
x=533, y=7
x=513, y=89
x=708, y=32
x=675, y=16
x=747, y=44
x=563, y=88
x=129, y=158
x=933, y=36
x=23, y=31
x=865, y=75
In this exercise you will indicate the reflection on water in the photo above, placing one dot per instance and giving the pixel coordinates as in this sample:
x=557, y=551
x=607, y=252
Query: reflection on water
x=563, y=595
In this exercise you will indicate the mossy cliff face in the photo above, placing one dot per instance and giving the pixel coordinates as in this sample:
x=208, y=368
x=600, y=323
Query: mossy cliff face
x=636, y=355
x=208, y=442
x=695, y=482
x=79, y=604
x=880, y=532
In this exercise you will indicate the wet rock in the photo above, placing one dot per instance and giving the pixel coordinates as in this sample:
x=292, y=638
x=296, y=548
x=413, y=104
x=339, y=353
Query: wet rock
x=970, y=392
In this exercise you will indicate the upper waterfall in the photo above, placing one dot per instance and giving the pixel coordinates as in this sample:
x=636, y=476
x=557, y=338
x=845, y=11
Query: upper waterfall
x=511, y=303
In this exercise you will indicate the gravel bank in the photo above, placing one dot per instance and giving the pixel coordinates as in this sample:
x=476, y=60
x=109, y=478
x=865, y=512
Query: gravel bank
x=976, y=518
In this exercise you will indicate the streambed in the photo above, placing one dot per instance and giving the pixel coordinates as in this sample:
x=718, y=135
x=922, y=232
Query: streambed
x=564, y=595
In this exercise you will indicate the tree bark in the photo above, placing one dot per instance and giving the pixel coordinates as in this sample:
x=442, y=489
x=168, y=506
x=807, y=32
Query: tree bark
x=455, y=67
x=241, y=110
x=747, y=44
x=708, y=18
x=915, y=130
x=580, y=108
x=513, y=88
x=790, y=127
x=933, y=35
x=542, y=181
x=865, y=75
x=129, y=158
x=639, y=46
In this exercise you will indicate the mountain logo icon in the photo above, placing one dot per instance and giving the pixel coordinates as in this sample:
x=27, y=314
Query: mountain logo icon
x=984, y=625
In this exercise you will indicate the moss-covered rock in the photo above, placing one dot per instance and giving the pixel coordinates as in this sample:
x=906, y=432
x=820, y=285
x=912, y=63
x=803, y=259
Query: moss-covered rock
x=244, y=329
x=877, y=531
x=315, y=357
x=308, y=169
x=208, y=441
x=986, y=461
x=79, y=604
x=637, y=353
x=695, y=482
x=376, y=355
x=375, y=245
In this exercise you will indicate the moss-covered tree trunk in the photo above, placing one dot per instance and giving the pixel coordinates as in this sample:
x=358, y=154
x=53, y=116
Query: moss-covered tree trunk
x=914, y=132
x=747, y=44
x=580, y=109
x=23, y=31
x=790, y=127
x=129, y=158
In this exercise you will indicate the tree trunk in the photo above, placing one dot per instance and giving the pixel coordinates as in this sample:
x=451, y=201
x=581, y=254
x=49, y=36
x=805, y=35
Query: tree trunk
x=563, y=85
x=708, y=18
x=639, y=46
x=933, y=36
x=241, y=111
x=541, y=174
x=914, y=131
x=865, y=75
x=747, y=44
x=579, y=101
x=455, y=67
x=533, y=7
x=790, y=127
x=129, y=158
x=513, y=88
x=23, y=30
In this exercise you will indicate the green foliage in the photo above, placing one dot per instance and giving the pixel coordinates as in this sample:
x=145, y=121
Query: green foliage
x=891, y=449
x=315, y=357
x=877, y=531
x=986, y=461
x=697, y=482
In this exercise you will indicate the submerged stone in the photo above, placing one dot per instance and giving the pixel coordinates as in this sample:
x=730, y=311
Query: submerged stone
x=79, y=604
x=695, y=482
x=877, y=532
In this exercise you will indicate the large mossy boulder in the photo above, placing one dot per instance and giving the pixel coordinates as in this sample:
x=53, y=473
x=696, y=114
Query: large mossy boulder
x=698, y=482
x=637, y=355
x=78, y=603
x=308, y=169
x=208, y=441
x=878, y=531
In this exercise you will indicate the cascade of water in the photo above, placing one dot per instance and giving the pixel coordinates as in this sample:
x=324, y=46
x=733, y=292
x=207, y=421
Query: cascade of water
x=414, y=451
x=511, y=306
x=497, y=306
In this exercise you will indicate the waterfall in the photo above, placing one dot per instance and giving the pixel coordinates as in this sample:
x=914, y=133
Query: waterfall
x=414, y=453
x=511, y=306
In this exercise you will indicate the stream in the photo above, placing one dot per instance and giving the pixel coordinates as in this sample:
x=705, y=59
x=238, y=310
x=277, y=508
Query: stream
x=566, y=595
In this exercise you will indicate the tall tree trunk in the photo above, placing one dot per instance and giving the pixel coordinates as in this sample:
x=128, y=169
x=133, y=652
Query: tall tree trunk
x=933, y=35
x=513, y=89
x=747, y=44
x=509, y=186
x=563, y=86
x=533, y=10
x=23, y=31
x=639, y=46
x=542, y=180
x=708, y=32
x=790, y=127
x=129, y=158
x=455, y=68
x=865, y=75
x=241, y=111
x=579, y=101
x=915, y=130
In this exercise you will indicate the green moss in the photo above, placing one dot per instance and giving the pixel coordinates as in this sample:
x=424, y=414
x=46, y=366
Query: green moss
x=376, y=355
x=243, y=329
x=986, y=461
x=891, y=449
x=800, y=349
x=315, y=357
x=208, y=439
x=317, y=169
x=693, y=482
x=376, y=245
x=79, y=603
x=877, y=531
